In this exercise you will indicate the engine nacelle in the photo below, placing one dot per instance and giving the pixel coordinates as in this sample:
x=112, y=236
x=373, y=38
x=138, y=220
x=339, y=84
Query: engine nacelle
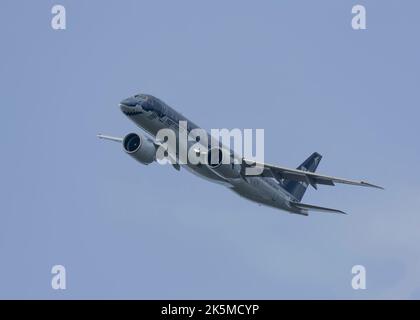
x=221, y=162
x=139, y=147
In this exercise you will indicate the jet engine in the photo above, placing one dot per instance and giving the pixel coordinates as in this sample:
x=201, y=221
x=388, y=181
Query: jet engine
x=139, y=147
x=221, y=162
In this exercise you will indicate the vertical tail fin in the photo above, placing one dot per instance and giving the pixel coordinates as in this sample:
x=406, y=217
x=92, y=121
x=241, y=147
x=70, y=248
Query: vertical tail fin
x=297, y=188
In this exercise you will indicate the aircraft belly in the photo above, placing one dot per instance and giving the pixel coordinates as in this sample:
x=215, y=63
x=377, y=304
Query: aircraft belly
x=257, y=189
x=205, y=173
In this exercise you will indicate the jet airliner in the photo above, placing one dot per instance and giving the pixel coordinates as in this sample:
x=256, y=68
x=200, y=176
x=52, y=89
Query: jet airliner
x=275, y=186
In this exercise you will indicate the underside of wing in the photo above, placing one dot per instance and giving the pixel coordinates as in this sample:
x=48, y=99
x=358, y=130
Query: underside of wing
x=310, y=178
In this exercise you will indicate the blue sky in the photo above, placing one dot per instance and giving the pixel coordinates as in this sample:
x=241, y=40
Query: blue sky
x=294, y=68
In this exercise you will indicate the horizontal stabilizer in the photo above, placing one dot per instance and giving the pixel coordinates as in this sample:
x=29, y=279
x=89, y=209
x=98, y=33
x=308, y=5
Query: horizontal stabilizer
x=314, y=208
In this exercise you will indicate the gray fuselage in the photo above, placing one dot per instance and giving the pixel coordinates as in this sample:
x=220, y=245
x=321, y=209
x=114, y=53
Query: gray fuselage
x=152, y=115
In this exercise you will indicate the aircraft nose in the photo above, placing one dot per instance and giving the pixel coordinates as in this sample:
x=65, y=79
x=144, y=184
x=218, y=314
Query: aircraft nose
x=129, y=102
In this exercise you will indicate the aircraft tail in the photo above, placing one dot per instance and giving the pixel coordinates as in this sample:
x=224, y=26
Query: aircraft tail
x=311, y=207
x=298, y=188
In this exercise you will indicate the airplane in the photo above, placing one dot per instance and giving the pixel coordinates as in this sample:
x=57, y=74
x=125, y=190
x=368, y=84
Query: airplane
x=279, y=187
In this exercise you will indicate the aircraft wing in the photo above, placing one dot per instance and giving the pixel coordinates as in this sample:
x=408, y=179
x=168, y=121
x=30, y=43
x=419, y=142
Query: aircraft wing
x=110, y=138
x=311, y=178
